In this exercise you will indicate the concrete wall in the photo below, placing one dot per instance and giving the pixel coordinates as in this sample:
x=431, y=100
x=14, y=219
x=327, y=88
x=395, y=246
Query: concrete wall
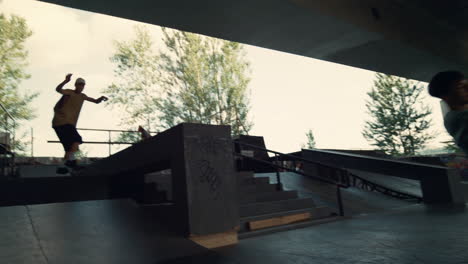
x=204, y=182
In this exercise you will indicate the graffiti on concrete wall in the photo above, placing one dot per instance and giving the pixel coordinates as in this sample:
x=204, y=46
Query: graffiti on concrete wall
x=209, y=155
x=209, y=175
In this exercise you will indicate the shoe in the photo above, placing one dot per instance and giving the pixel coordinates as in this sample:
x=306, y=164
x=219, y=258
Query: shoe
x=62, y=170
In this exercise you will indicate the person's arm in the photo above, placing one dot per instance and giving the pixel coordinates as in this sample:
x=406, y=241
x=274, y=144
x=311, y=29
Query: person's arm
x=60, y=89
x=96, y=101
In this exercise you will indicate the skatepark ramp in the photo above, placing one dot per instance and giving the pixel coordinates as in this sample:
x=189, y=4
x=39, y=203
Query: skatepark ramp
x=395, y=178
x=285, y=171
x=436, y=184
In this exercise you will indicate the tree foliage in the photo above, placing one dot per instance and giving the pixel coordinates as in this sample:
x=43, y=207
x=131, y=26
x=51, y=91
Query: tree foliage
x=190, y=78
x=13, y=60
x=205, y=81
x=310, y=140
x=136, y=85
x=399, y=121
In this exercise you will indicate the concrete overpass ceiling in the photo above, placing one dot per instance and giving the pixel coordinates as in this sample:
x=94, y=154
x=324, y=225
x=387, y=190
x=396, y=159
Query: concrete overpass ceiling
x=413, y=39
x=453, y=14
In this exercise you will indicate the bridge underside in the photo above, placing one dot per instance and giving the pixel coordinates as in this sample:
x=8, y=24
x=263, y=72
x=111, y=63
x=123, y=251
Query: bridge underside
x=413, y=39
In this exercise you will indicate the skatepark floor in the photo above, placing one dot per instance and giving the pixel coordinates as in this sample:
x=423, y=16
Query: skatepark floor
x=382, y=230
x=119, y=231
x=415, y=234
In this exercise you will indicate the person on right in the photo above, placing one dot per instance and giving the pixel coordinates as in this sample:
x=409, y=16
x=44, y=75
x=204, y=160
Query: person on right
x=452, y=88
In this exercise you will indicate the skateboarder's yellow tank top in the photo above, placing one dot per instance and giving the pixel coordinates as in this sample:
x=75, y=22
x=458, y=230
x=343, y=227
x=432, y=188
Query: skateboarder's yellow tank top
x=67, y=110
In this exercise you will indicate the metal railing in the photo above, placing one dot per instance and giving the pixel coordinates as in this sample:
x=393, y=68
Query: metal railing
x=345, y=178
x=278, y=167
x=364, y=184
x=109, y=137
x=354, y=180
x=8, y=126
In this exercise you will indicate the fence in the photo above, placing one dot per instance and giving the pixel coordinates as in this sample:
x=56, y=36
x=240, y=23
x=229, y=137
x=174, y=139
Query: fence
x=109, y=137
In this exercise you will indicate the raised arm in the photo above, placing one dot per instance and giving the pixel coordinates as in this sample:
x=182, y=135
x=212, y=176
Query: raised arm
x=96, y=101
x=59, y=88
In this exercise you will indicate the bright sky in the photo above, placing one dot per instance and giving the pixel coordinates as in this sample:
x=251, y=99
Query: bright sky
x=289, y=94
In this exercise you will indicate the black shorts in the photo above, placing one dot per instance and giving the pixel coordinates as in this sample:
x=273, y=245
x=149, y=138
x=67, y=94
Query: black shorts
x=68, y=135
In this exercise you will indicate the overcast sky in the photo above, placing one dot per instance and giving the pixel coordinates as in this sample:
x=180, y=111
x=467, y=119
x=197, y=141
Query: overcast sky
x=289, y=94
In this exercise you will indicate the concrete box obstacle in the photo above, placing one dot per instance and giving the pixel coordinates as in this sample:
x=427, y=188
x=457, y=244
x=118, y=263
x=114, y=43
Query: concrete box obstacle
x=204, y=182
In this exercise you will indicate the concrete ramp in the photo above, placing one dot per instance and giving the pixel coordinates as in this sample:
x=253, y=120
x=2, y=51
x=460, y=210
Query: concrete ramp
x=116, y=231
x=355, y=200
x=409, y=186
x=439, y=184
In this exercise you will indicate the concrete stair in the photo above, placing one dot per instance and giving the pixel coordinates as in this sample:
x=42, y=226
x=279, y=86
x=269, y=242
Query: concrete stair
x=253, y=209
x=254, y=188
x=254, y=181
x=247, y=198
x=265, y=209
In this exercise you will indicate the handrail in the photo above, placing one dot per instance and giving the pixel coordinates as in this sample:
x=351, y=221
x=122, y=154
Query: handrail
x=113, y=130
x=392, y=167
x=338, y=185
x=373, y=186
x=322, y=179
x=98, y=142
x=291, y=156
x=109, y=131
x=386, y=190
x=109, y=141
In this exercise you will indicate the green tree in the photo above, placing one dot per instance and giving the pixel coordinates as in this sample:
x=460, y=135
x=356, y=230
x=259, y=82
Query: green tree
x=136, y=86
x=399, y=121
x=13, y=60
x=205, y=80
x=191, y=78
x=310, y=140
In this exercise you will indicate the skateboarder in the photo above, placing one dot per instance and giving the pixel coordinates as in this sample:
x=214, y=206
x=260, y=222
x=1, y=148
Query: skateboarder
x=66, y=113
x=452, y=88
